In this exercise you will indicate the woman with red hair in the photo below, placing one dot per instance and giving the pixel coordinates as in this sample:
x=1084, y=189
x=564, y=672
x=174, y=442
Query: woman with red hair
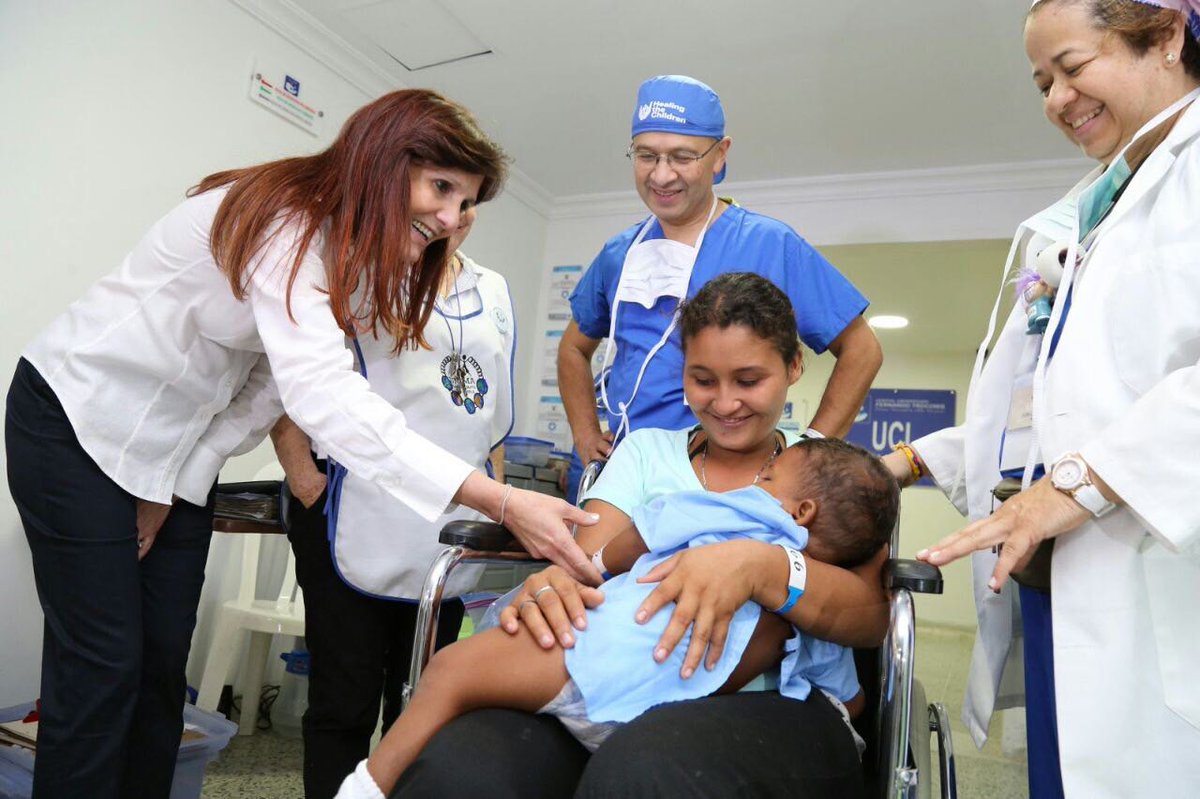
x=231, y=310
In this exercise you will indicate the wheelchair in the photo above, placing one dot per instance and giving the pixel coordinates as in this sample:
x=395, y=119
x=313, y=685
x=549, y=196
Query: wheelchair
x=897, y=762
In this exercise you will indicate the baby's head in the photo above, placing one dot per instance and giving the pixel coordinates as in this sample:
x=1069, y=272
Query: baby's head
x=843, y=494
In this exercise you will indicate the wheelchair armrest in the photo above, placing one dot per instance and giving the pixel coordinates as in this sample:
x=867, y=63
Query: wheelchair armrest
x=480, y=536
x=915, y=575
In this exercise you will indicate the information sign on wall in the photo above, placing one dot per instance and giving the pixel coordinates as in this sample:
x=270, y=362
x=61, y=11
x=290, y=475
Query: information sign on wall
x=551, y=417
x=891, y=416
x=284, y=94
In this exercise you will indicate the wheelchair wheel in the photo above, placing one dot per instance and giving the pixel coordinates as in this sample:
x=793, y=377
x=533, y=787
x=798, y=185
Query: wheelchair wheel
x=918, y=741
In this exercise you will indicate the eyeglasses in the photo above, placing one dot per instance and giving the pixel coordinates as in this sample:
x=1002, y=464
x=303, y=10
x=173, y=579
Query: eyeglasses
x=679, y=159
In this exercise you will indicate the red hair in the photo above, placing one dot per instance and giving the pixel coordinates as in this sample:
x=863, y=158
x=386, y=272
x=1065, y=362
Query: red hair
x=360, y=187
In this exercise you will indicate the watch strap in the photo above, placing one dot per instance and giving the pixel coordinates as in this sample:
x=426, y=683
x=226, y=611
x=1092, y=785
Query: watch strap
x=1090, y=497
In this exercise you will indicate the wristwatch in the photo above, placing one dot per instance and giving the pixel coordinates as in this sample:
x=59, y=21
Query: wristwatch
x=1069, y=474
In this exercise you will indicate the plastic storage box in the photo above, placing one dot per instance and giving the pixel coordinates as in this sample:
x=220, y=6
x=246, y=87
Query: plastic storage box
x=214, y=732
x=194, y=755
x=529, y=451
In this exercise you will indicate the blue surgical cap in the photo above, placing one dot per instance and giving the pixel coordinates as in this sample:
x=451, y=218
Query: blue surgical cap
x=679, y=104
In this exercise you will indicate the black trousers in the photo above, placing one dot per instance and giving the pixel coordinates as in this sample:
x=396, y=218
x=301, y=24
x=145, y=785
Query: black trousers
x=117, y=631
x=757, y=745
x=360, y=648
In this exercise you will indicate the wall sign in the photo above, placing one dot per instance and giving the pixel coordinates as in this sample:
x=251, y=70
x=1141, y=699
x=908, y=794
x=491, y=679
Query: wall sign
x=891, y=416
x=283, y=94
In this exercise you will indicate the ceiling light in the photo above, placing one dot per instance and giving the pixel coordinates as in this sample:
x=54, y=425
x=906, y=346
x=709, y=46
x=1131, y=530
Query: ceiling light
x=887, y=322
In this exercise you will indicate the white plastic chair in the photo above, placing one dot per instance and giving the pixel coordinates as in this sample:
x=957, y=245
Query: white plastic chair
x=263, y=618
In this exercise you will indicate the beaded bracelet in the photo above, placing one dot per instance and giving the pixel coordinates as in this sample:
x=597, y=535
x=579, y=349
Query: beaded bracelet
x=914, y=461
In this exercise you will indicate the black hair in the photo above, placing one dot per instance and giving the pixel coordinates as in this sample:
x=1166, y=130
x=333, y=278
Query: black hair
x=747, y=299
x=858, y=499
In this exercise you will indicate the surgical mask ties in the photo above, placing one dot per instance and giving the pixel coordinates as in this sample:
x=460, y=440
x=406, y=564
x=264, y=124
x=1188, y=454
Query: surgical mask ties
x=651, y=270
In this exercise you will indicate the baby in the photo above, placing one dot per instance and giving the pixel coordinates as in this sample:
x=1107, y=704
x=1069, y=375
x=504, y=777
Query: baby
x=830, y=498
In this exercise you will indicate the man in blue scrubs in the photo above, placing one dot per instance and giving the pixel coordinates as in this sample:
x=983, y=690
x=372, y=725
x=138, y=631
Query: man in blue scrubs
x=632, y=288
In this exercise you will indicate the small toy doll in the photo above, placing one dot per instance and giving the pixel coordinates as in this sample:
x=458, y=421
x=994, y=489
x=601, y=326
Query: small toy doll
x=1037, y=287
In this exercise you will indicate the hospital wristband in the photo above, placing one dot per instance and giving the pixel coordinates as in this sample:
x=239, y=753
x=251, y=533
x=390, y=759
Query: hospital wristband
x=914, y=461
x=598, y=562
x=797, y=578
x=811, y=432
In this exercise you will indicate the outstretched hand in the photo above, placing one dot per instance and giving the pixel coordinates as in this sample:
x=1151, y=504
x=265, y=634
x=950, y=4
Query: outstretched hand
x=543, y=526
x=1017, y=527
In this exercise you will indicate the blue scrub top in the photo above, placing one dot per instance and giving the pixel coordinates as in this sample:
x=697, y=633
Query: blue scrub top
x=739, y=241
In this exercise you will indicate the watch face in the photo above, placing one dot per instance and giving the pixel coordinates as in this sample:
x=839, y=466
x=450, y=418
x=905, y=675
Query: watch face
x=1068, y=473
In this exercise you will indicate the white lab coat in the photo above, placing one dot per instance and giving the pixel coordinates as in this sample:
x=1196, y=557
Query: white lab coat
x=1124, y=390
x=382, y=547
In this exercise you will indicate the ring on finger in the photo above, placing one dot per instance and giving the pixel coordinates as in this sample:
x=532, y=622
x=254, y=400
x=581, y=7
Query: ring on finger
x=541, y=591
x=521, y=606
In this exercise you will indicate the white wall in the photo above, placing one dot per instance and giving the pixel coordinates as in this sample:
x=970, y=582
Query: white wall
x=111, y=111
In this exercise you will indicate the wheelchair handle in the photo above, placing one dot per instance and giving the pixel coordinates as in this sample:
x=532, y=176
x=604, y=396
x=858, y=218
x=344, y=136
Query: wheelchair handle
x=915, y=575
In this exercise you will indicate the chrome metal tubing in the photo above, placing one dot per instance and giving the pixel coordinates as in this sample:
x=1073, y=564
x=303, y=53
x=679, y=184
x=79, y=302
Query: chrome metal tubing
x=939, y=722
x=899, y=779
x=427, y=615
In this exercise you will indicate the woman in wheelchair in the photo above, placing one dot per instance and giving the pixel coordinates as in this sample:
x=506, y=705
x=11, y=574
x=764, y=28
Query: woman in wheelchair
x=826, y=497
x=741, y=355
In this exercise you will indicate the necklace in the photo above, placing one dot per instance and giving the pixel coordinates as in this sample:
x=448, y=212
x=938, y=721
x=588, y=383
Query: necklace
x=458, y=366
x=758, y=475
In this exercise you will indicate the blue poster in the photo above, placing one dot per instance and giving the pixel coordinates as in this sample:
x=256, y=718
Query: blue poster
x=892, y=416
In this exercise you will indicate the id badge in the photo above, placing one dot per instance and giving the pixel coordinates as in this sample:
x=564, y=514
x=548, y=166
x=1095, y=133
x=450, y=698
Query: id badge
x=1018, y=431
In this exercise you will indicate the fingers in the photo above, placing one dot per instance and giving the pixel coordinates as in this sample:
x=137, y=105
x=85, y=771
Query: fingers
x=574, y=515
x=144, y=543
x=677, y=627
x=702, y=628
x=576, y=562
x=1013, y=554
x=530, y=612
x=661, y=571
x=604, y=446
x=664, y=594
x=982, y=534
x=551, y=604
x=716, y=644
x=510, y=619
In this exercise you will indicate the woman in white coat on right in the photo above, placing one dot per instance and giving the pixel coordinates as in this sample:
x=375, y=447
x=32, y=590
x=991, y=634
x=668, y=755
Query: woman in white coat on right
x=1099, y=414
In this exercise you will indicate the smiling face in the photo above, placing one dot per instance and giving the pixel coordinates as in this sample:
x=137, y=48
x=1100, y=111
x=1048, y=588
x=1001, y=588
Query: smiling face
x=438, y=198
x=1096, y=89
x=736, y=383
x=678, y=195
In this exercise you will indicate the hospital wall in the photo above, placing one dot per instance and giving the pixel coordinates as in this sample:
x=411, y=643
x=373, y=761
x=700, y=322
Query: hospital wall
x=111, y=111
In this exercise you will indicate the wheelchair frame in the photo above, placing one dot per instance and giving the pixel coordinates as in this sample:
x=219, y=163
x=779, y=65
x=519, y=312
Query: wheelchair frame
x=903, y=760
